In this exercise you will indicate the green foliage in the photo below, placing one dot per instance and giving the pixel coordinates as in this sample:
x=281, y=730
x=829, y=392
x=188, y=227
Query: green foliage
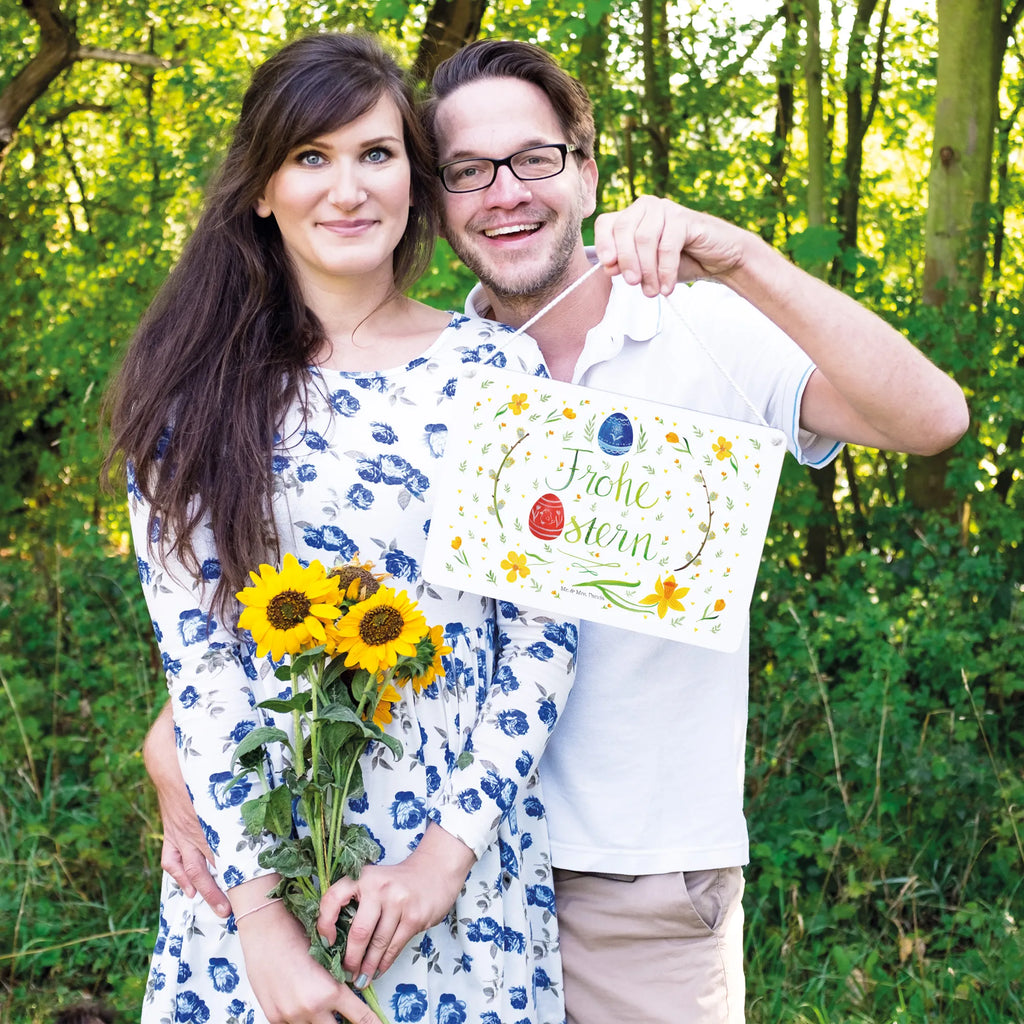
x=886, y=730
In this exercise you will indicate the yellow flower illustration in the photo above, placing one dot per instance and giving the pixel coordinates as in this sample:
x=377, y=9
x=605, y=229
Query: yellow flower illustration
x=719, y=605
x=517, y=403
x=515, y=564
x=286, y=612
x=672, y=437
x=456, y=543
x=666, y=595
x=379, y=629
x=722, y=450
x=569, y=414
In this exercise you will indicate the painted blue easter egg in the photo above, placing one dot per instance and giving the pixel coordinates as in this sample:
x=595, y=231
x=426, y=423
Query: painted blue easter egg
x=616, y=434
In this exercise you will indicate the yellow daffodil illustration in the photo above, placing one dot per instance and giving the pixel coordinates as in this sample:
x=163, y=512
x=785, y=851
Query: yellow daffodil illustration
x=379, y=629
x=515, y=564
x=287, y=611
x=667, y=594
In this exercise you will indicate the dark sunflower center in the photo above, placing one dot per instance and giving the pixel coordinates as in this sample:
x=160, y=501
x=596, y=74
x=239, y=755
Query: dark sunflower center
x=287, y=609
x=381, y=626
x=368, y=583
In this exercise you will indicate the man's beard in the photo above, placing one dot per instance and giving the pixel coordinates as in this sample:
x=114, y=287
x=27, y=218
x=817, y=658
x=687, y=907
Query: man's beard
x=526, y=295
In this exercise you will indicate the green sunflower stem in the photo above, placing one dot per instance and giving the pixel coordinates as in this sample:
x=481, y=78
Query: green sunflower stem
x=373, y=1003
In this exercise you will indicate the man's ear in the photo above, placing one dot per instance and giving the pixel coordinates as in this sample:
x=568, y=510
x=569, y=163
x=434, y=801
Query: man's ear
x=588, y=177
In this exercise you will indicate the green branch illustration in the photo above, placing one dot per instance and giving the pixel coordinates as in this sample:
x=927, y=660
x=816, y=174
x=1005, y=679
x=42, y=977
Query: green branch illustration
x=497, y=475
x=707, y=532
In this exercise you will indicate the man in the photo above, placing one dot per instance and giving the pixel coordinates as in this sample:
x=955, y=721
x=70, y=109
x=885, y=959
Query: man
x=645, y=816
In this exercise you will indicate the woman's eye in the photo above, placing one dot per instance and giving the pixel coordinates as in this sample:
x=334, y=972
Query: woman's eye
x=378, y=155
x=310, y=158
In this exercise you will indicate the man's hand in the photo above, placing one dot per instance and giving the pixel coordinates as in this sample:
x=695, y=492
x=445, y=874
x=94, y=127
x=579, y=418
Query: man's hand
x=186, y=856
x=657, y=243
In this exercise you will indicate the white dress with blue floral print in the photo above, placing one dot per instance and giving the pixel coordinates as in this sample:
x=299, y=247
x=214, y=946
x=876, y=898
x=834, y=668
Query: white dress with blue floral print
x=355, y=475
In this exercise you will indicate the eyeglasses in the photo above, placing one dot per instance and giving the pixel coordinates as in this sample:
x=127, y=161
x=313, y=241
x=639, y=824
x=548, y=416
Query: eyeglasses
x=527, y=165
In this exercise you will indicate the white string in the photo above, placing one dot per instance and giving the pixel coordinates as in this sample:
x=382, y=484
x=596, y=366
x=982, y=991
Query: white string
x=669, y=301
x=558, y=298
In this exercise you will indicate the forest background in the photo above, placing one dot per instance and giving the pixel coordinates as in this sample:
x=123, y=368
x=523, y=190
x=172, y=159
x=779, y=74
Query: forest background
x=880, y=145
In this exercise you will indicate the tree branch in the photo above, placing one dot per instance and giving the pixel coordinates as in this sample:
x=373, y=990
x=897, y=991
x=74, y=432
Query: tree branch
x=140, y=60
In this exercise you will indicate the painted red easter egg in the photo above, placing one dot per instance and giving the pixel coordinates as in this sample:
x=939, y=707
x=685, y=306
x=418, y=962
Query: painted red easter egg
x=547, y=517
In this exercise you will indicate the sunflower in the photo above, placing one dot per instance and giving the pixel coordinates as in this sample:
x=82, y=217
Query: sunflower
x=436, y=667
x=666, y=595
x=286, y=611
x=359, y=573
x=382, y=713
x=376, y=631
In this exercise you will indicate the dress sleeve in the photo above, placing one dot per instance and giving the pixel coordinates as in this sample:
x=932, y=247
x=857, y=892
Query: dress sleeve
x=210, y=676
x=534, y=671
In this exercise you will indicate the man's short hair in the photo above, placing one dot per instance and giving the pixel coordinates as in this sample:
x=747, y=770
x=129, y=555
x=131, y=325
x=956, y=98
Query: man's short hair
x=508, y=58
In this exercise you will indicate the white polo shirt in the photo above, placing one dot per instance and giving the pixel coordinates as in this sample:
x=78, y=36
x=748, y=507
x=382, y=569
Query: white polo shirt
x=644, y=772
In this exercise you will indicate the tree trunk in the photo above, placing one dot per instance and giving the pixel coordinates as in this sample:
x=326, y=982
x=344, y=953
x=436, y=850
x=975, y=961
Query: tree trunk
x=450, y=25
x=657, y=95
x=58, y=47
x=816, y=168
x=971, y=47
x=966, y=110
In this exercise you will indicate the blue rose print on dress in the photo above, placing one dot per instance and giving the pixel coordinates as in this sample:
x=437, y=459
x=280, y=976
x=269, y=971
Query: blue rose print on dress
x=548, y=713
x=513, y=723
x=541, y=896
x=541, y=650
x=517, y=997
x=189, y=697
x=233, y=877
x=449, y=389
x=450, y=1010
x=509, y=861
x=505, y=680
x=306, y=473
x=344, y=402
x=417, y=484
x=330, y=538
x=565, y=634
x=280, y=463
x=190, y=1009
x=225, y=797
x=223, y=974
x=359, y=496
x=524, y=762
x=369, y=470
x=144, y=572
x=401, y=566
x=533, y=806
x=377, y=382
x=383, y=433
x=469, y=800
x=436, y=436
x=171, y=665
x=194, y=626
x=184, y=973
x=508, y=610
x=211, y=569
x=409, y=1003
x=502, y=791
x=433, y=780
x=407, y=810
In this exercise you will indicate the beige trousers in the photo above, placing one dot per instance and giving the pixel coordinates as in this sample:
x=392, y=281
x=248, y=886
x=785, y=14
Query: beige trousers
x=652, y=949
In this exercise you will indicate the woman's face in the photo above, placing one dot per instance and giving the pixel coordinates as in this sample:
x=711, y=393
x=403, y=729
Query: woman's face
x=342, y=200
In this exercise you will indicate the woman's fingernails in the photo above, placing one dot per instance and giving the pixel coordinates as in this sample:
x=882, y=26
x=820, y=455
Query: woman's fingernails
x=361, y=981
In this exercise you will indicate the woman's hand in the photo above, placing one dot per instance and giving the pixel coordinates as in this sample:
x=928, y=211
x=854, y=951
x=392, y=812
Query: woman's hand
x=396, y=902
x=292, y=988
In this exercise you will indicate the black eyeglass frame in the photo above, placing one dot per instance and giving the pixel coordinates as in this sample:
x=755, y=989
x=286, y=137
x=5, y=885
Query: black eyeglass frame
x=565, y=148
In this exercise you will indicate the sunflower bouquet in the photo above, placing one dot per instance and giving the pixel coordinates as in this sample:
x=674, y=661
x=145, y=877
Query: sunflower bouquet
x=352, y=644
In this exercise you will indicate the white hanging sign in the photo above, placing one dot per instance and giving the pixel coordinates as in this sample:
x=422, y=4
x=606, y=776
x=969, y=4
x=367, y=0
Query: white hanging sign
x=593, y=505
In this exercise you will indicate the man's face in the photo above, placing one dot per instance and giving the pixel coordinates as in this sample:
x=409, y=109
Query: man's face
x=519, y=237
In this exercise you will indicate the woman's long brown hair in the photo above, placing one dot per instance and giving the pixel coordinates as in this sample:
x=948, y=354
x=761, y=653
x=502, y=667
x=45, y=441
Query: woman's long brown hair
x=224, y=348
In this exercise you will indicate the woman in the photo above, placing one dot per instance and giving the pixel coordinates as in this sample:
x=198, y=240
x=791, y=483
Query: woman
x=283, y=396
